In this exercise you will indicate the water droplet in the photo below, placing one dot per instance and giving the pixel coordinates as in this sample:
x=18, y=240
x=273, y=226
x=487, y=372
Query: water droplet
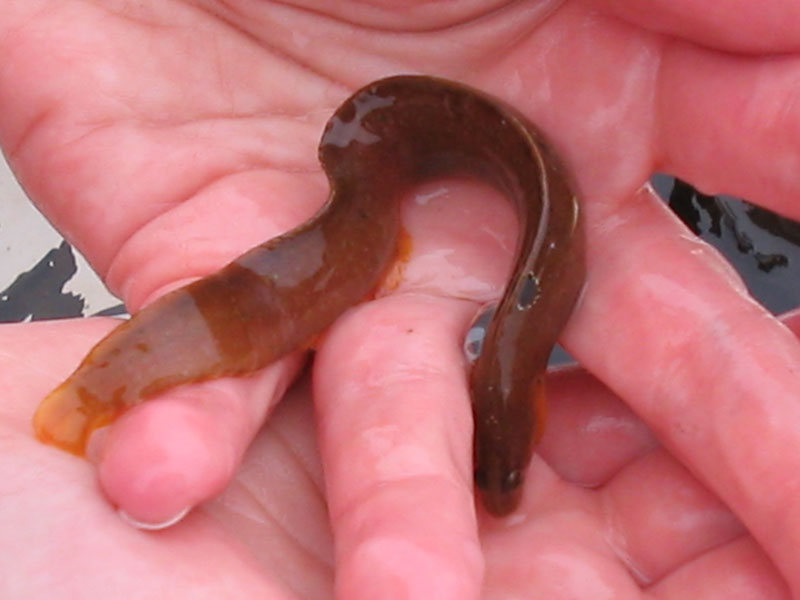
x=473, y=342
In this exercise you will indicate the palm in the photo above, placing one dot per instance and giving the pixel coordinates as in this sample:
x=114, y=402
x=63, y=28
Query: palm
x=272, y=542
x=190, y=136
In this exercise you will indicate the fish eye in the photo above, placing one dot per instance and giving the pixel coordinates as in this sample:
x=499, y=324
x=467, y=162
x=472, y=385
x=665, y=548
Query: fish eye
x=512, y=481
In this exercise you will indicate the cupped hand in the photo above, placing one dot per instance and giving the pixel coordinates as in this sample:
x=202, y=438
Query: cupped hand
x=612, y=511
x=165, y=138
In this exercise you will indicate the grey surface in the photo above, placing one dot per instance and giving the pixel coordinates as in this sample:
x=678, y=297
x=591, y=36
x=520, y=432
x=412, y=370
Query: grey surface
x=32, y=252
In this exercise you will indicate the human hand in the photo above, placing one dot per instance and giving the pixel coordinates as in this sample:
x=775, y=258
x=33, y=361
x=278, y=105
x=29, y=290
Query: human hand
x=267, y=536
x=611, y=509
x=190, y=142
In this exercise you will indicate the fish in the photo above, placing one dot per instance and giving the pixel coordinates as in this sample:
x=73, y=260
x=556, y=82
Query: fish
x=385, y=139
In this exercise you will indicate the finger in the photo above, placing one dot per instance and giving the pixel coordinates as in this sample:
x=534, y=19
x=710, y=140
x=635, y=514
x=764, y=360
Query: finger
x=659, y=516
x=209, y=229
x=737, y=571
x=164, y=456
x=792, y=320
x=653, y=515
x=651, y=518
x=729, y=124
x=656, y=515
x=711, y=372
x=733, y=25
x=105, y=155
x=395, y=432
x=559, y=549
x=54, y=520
x=399, y=475
x=591, y=434
x=170, y=454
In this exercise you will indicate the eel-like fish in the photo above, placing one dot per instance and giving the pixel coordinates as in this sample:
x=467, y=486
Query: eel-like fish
x=385, y=139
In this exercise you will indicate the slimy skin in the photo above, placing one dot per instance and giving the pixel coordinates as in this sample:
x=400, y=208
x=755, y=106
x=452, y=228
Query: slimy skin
x=384, y=140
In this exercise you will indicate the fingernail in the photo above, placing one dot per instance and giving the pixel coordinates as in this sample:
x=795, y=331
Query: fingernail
x=146, y=526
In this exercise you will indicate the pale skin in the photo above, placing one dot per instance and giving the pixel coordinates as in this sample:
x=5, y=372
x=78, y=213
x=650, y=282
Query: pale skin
x=164, y=140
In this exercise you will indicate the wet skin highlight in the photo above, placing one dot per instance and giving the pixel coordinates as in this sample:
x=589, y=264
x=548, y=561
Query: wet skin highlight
x=384, y=140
